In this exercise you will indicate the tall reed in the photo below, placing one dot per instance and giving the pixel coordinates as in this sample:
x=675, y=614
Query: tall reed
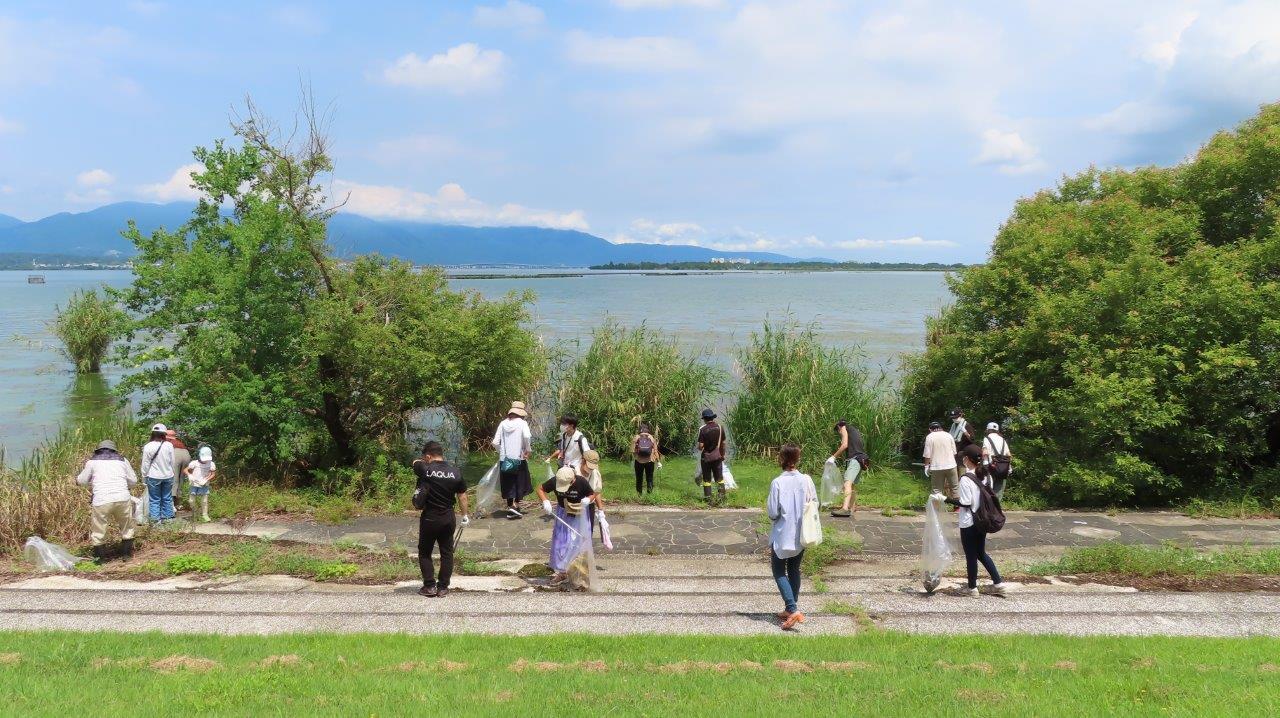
x=630, y=376
x=795, y=389
x=39, y=496
x=86, y=327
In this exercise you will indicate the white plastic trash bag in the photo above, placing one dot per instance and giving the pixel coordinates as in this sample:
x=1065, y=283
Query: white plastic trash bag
x=139, y=508
x=730, y=484
x=49, y=556
x=832, y=489
x=935, y=553
x=488, y=492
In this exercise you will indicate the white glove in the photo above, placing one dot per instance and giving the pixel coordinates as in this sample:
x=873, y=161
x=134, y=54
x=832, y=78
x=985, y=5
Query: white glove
x=466, y=520
x=926, y=472
x=546, y=506
x=831, y=460
x=937, y=496
x=660, y=465
x=547, y=460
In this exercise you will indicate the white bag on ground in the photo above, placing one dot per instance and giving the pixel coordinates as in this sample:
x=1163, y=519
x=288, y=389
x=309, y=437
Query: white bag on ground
x=49, y=556
x=488, y=492
x=935, y=554
x=729, y=483
x=832, y=489
x=140, y=507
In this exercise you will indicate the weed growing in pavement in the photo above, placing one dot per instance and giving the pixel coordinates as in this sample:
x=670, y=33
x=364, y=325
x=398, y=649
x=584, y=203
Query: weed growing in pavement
x=1167, y=559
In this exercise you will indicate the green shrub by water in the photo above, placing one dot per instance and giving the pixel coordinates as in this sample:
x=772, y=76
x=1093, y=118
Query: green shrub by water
x=633, y=375
x=86, y=327
x=794, y=389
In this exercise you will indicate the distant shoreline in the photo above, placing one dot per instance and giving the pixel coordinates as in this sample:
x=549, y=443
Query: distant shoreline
x=802, y=266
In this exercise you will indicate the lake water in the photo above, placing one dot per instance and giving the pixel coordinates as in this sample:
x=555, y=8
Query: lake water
x=883, y=312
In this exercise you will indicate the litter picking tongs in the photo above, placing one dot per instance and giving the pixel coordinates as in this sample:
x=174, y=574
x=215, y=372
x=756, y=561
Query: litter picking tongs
x=564, y=523
x=458, y=536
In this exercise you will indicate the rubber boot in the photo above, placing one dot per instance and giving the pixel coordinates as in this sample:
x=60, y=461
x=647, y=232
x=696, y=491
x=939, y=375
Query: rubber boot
x=706, y=492
x=99, y=554
x=204, y=508
x=126, y=549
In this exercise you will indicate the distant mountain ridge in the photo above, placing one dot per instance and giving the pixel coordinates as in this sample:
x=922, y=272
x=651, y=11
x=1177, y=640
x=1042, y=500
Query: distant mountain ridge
x=96, y=233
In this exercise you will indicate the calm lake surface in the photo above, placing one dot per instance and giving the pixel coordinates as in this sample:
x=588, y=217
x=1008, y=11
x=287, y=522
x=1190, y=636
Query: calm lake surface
x=882, y=312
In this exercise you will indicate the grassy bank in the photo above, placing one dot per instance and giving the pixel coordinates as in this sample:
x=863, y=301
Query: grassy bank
x=58, y=674
x=1164, y=560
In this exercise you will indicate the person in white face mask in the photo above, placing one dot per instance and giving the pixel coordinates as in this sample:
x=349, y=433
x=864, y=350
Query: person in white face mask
x=571, y=445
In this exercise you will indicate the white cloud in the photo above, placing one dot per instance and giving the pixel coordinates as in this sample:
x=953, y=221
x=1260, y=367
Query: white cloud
x=177, y=187
x=1160, y=36
x=461, y=69
x=885, y=243
x=449, y=204
x=664, y=4
x=95, y=178
x=1133, y=118
x=514, y=15
x=651, y=53
x=737, y=239
x=1008, y=152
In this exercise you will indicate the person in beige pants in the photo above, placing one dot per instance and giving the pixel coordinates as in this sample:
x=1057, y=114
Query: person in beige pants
x=109, y=476
x=940, y=461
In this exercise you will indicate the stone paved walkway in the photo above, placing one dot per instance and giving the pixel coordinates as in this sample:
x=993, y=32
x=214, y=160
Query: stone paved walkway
x=744, y=532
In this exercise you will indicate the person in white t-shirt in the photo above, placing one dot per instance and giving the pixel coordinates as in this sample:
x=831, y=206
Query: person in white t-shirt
x=974, y=538
x=199, y=474
x=997, y=457
x=513, y=440
x=571, y=445
x=940, y=460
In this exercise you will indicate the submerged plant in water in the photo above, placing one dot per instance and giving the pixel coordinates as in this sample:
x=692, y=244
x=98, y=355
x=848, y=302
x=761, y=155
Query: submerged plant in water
x=86, y=327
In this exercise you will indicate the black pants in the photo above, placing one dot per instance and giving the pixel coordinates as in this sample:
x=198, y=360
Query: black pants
x=644, y=475
x=436, y=530
x=975, y=550
x=713, y=470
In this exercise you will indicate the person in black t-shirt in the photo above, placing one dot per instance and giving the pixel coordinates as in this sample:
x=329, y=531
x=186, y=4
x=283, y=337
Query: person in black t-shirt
x=711, y=454
x=574, y=499
x=439, y=485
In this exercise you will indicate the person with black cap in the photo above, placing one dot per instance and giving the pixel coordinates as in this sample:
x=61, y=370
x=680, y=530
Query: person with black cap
x=439, y=484
x=972, y=536
x=961, y=430
x=110, y=476
x=940, y=460
x=711, y=445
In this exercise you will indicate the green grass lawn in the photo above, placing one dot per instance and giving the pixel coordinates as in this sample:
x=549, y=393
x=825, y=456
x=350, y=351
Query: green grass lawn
x=879, y=673
x=1164, y=560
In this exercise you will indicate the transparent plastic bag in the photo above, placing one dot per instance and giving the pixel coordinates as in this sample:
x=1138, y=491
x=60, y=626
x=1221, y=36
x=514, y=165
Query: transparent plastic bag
x=581, y=559
x=730, y=484
x=49, y=556
x=488, y=492
x=935, y=554
x=140, y=509
x=832, y=486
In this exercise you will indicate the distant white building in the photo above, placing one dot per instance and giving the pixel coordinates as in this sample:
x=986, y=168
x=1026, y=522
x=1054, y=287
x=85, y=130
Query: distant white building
x=730, y=260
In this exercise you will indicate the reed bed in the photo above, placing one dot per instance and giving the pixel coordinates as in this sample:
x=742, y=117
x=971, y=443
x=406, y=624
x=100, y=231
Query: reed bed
x=86, y=327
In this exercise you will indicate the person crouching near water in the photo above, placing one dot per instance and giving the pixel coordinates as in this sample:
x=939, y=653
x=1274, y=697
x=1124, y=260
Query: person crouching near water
x=973, y=538
x=109, y=476
x=513, y=441
x=852, y=447
x=200, y=474
x=788, y=494
x=160, y=473
x=572, y=514
x=439, y=485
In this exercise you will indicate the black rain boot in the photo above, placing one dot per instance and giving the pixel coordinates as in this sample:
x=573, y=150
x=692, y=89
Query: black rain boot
x=126, y=549
x=99, y=554
x=706, y=492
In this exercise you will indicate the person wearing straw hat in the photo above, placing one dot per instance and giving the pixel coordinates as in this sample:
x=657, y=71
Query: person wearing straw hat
x=110, y=476
x=574, y=497
x=513, y=440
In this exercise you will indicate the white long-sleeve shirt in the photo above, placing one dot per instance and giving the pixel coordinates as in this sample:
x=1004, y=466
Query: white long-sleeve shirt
x=787, y=496
x=970, y=498
x=110, y=480
x=512, y=439
x=158, y=464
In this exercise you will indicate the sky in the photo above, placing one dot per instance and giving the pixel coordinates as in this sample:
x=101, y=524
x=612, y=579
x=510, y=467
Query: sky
x=876, y=131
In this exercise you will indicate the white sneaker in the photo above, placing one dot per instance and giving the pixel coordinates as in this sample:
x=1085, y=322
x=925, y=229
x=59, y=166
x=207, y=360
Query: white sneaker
x=515, y=512
x=968, y=592
x=998, y=589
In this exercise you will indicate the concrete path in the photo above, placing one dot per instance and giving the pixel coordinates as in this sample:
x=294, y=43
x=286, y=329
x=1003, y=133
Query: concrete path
x=675, y=532
x=641, y=595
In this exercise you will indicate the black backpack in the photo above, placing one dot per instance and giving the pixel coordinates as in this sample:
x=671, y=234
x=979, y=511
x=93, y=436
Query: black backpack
x=644, y=446
x=989, y=518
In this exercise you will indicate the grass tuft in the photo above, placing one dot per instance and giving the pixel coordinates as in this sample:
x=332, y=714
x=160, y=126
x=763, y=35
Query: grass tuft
x=1165, y=560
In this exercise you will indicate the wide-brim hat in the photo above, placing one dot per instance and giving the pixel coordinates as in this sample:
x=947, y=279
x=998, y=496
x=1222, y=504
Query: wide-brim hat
x=591, y=459
x=106, y=444
x=564, y=478
x=517, y=408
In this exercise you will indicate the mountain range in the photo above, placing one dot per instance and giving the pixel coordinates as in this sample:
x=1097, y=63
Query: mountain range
x=96, y=233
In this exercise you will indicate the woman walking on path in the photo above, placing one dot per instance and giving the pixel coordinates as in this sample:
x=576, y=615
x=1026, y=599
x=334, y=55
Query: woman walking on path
x=974, y=538
x=852, y=448
x=513, y=440
x=645, y=456
x=160, y=473
x=788, y=494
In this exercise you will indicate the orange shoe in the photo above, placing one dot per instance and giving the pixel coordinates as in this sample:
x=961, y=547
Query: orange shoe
x=783, y=615
x=792, y=620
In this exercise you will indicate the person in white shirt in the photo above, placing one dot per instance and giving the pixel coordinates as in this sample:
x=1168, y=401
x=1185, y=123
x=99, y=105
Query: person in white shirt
x=997, y=457
x=160, y=473
x=940, y=460
x=513, y=440
x=199, y=473
x=110, y=477
x=571, y=445
x=788, y=494
x=973, y=538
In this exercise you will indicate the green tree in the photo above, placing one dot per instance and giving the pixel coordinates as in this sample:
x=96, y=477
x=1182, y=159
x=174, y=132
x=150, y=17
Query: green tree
x=1126, y=326
x=630, y=376
x=253, y=337
x=86, y=328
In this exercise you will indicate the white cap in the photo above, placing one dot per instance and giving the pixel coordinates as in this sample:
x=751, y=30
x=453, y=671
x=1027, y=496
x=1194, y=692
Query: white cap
x=159, y=427
x=206, y=454
x=992, y=426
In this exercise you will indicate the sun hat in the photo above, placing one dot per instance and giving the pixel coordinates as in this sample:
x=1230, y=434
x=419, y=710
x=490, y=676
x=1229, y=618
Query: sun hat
x=106, y=444
x=708, y=414
x=517, y=408
x=206, y=454
x=160, y=428
x=992, y=426
x=564, y=478
x=591, y=459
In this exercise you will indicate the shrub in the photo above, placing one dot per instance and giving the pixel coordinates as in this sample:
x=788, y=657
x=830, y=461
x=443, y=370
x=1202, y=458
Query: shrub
x=190, y=563
x=637, y=375
x=86, y=327
x=1125, y=325
x=332, y=570
x=794, y=389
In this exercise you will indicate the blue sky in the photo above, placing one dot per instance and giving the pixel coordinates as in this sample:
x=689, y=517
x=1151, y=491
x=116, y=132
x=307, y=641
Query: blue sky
x=859, y=130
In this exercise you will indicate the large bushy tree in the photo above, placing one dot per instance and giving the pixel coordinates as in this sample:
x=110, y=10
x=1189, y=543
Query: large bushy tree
x=1127, y=323
x=252, y=336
